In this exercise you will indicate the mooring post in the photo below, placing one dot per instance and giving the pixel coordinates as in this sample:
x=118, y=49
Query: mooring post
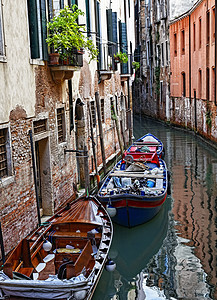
x=2, y=244
x=93, y=145
x=100, y=132
x=86, y=171
x=35, y=178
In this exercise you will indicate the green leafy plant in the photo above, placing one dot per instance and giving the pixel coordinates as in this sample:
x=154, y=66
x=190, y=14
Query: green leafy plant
x=121, y=57
x=66, y=35
x=136, y=65
x=209, y=118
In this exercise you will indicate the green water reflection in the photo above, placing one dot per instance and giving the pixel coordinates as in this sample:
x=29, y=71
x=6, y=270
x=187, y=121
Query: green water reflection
x=174, y=255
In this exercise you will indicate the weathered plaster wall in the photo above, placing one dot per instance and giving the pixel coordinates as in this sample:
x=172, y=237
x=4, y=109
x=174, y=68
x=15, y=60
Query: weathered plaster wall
x=17, y=74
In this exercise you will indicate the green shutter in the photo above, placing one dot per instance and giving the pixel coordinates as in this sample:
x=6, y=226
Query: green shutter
x=114, y=31
x=44, y=29
x=109, y=30
x=33, y=29
x=74, y=2
x=123, y=44
x=88, y=16
x=99, y=45
x=50, y=10
x=61, y=4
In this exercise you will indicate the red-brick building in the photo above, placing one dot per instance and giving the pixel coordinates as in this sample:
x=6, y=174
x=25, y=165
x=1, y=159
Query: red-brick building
x=193, y=79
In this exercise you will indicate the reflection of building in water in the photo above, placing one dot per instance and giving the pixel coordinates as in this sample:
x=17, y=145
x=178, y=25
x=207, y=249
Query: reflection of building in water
x=176, y=270
x=194, y=190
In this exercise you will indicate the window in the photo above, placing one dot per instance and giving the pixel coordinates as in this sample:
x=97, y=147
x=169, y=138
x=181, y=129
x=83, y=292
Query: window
x=213, y=25
x=208, y=27
x=5, y=159
x=161, y=92
x=194, y=37
x=61, y=125
x=183, y=84
x=38, y=27
x=175, y=44
x=40, y=126
x=183, y=41
x=93, y=112
x=200, y=28
x=87, y=2
x=102, y=110
x=162, y=54
x=167, y=54
x=207, y=84
x=2, y=52
x=200, y=84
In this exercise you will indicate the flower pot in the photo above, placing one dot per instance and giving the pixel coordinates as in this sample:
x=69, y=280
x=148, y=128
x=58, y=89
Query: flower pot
x=54, y=58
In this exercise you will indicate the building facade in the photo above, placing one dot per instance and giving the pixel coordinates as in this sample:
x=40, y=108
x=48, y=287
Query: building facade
x=46, y=109
x=152, y=40
x=193, y=64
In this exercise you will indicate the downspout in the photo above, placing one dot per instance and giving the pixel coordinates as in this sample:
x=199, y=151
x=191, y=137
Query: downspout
x=215, y=49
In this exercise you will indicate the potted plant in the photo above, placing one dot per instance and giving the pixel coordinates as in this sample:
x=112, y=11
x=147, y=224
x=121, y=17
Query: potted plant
x=121, y=57
x=136, y=65
x=66, y=35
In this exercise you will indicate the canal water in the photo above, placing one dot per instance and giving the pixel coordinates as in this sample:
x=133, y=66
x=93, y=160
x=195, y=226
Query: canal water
x=173, y=256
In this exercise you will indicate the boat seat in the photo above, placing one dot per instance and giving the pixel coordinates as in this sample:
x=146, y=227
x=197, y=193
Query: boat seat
x=26, y=271
x=74, y=234
x=73, y=270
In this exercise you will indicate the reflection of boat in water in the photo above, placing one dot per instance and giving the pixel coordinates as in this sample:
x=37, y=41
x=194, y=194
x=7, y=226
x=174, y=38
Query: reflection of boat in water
x=131, y=250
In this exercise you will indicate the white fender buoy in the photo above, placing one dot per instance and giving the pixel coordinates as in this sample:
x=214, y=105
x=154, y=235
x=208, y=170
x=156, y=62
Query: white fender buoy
x=110, y=265
x=80, y=295
x=47, y=246
x=111, y=210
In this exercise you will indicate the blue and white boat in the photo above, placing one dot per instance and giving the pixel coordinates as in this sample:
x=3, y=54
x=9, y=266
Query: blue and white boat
x=136, y=188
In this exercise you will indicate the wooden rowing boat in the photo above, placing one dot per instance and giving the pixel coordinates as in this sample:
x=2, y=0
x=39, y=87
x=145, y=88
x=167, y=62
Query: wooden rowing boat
x=146, y=144
x=62, y=259
x=136, y=188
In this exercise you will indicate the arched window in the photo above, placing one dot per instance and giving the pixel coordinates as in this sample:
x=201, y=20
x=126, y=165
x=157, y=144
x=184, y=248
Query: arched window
x=183, y=84
x=200, y=84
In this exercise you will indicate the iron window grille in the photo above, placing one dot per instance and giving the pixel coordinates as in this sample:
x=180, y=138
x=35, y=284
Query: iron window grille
x=60, y=124
x=40, y=126
x=3, y=153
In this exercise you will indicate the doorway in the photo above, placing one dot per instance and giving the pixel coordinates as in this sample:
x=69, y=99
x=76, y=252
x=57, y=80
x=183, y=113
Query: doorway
x=43, y=174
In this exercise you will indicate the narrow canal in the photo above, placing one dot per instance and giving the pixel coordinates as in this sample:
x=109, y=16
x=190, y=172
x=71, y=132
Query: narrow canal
x=174, y=255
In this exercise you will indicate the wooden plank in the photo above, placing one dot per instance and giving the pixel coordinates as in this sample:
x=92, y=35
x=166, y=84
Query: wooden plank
x=134, y=174
x=145, y=144
x=74, y=234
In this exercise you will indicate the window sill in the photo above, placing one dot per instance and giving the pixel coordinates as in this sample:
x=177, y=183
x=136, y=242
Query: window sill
x=38, y=62
x=3, y=59
x=6, y=181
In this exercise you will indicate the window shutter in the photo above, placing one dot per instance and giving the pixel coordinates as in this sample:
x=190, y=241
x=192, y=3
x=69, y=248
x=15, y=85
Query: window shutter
x=123, y=43
x=74, y=2
x=109, y=30
x=88, y=16
x=50, y=9
x=98, y=26
x=61, y=4
x=114, y=31
x=44, y=30
x=33, y=29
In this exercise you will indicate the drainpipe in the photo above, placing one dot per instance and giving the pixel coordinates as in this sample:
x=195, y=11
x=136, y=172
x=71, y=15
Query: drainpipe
x=2, y=245
x=215, y=48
